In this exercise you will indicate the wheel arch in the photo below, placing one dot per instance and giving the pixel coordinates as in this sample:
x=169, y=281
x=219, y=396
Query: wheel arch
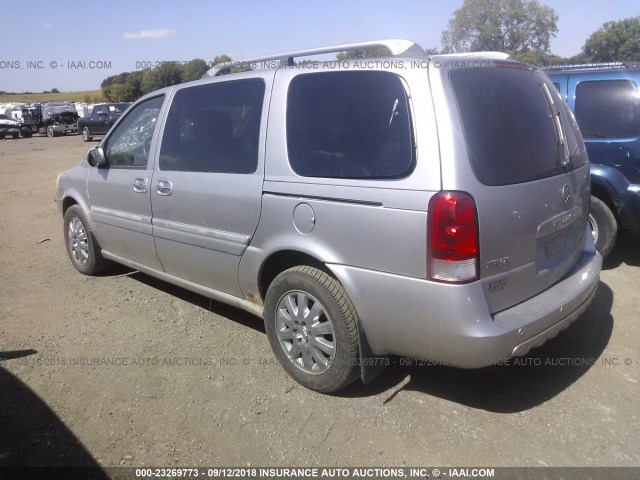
x=601, y=190
x=66, y=203
x=278, y=262
x=74, y=198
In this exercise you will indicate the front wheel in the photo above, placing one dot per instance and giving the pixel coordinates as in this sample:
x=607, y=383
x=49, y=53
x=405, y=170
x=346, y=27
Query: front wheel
x=86, y=134
x=26, y=132
x=604, y=227
x=81, y=246
x=311, y=325
x=50, y=132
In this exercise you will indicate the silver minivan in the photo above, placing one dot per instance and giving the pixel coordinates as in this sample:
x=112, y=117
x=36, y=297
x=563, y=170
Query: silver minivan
x=427, y=207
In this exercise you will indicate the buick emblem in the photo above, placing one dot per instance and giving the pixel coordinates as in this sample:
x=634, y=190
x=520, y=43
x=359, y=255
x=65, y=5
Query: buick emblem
x=566, y=194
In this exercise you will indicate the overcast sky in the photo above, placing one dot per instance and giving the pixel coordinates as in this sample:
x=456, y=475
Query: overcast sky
x=71, y=45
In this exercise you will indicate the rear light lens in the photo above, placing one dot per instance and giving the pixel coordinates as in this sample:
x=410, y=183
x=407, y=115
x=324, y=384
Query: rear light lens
x=452, y=238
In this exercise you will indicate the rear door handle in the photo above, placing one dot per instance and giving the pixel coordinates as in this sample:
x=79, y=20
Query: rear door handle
x=164, y=187
x=140, y=185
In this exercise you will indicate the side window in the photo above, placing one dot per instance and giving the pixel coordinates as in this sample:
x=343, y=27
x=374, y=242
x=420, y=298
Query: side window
x=608, y=109
x=214, y=128
x=128, y=145
x=349, y=125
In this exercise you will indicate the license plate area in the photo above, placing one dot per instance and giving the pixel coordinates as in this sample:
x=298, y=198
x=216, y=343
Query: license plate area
x=555, y=245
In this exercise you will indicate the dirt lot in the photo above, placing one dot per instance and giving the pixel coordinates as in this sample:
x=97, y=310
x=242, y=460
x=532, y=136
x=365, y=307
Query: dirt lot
x=125, y=370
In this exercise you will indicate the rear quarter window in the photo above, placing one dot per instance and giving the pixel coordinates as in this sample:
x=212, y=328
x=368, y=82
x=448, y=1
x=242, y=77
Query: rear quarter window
x=349, y=125
x=608, y=108
x=508, y=126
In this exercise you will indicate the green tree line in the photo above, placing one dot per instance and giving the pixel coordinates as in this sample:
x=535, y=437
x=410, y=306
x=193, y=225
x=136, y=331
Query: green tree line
x=129, y=86
x=524, y=29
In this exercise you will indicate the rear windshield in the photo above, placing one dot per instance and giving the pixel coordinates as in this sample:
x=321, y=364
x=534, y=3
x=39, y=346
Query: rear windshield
x=508, y=124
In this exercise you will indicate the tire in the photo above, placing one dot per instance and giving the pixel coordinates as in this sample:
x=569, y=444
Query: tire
x=16, y=136
x=604, y=226
x=322, y=355
x=82, y=247
x=1, y=136
x=50, y=132
x=26, y=132
x=86, y=134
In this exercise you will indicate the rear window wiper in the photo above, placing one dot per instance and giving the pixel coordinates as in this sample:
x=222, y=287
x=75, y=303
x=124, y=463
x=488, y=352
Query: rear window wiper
x=557, y=124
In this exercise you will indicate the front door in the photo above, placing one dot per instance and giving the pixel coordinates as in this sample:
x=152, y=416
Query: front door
x=120, y=193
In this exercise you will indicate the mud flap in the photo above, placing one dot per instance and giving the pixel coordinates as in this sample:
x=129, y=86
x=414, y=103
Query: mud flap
x=371, y=366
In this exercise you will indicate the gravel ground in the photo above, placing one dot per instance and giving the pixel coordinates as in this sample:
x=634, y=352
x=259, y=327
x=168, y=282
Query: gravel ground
x=123, y=369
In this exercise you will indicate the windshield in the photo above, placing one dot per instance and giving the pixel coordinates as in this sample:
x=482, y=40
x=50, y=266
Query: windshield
x=59, y=108
x=118, y=107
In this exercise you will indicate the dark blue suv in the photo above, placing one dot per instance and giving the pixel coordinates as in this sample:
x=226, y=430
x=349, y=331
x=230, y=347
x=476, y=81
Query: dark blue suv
x=605, y=99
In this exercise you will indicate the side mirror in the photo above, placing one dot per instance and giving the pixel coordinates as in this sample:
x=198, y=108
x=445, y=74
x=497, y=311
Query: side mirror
x=96, y=157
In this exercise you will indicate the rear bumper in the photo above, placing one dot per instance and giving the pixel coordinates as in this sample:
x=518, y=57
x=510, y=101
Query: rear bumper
x=65, y=128
x=452, y=325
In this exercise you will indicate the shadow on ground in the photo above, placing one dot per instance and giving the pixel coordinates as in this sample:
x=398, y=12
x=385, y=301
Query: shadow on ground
x=32, y=435
x=522, y=384
x=536, y=378
x=227, y=311
x=626, y=250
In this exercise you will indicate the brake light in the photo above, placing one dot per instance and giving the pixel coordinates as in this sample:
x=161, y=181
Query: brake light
x=452, y=238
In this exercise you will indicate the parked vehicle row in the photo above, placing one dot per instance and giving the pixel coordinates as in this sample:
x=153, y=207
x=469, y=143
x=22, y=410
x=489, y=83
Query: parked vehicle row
x=51, y=118
x=100, y=120
x=61, y=118
x=8, y=127
x=439, y=213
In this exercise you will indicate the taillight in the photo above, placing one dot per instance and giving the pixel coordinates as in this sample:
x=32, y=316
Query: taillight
x=452, y=242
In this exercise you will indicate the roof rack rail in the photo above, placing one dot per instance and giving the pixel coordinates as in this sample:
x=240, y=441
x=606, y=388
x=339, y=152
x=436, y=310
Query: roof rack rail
x=592, y=66
x=489, y=54
x=397, y=47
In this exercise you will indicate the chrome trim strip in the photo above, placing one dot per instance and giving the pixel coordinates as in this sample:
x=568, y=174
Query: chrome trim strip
x=558, y=222
x=121, y=214
x=223, y=297
x=204, y=232
x=324, y=199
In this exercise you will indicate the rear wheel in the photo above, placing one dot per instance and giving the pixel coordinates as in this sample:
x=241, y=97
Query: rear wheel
x=16, y=135
x=26, y=132
x=311, y=325
x=604, y=227
x=82, y=248
x=86, y=134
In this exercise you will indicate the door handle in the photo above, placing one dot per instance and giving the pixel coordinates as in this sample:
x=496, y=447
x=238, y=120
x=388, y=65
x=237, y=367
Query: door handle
x=163, y=187
x=140, y=185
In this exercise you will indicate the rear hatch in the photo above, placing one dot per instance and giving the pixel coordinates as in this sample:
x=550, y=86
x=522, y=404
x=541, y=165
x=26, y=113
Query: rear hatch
x=530, y=179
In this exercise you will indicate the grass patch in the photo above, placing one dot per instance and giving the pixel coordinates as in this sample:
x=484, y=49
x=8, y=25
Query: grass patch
x=88, y=96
